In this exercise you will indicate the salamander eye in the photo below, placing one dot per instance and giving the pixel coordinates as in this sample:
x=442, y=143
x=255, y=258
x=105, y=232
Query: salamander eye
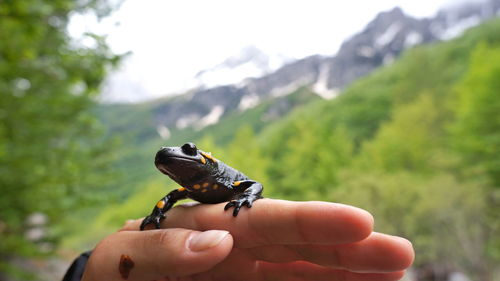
x=189, y=148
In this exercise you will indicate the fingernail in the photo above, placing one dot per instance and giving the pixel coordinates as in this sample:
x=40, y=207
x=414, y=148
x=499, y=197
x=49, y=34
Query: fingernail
x=202, y=241
x=407, y=241
x=402, y=240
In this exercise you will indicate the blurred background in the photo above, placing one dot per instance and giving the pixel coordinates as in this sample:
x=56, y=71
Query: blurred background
x=391, y=106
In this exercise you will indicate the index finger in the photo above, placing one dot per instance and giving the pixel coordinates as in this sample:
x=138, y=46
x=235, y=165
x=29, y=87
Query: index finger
x=272, y=221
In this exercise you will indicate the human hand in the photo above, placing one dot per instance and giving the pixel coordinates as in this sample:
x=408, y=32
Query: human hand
x=274, y=240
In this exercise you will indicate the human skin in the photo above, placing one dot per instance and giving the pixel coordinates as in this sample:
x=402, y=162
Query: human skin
x=274, y=240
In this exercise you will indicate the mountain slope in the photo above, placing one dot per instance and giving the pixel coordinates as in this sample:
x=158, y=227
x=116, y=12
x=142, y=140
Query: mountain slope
x=380, y=43
x=134, y=159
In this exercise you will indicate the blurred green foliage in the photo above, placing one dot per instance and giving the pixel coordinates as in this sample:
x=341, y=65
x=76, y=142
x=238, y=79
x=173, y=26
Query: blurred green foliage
x=478, y=112
x=50, y=144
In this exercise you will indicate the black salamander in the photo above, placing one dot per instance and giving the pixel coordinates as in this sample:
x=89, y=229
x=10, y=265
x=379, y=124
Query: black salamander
x=202, y=178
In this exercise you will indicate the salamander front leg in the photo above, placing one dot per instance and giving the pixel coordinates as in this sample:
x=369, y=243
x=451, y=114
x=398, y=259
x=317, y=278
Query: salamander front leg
x=251, y=191
x=165, y=204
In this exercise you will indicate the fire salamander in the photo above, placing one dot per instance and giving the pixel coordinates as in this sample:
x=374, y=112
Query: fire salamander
x=202, y=178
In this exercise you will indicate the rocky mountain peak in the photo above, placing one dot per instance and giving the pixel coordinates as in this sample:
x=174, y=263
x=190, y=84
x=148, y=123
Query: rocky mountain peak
x=379, y=43
x=453, y=20
x=384, y=19
x=383, y=39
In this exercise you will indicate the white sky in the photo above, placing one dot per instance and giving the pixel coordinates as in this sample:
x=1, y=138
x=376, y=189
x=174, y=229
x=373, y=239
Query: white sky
x=172, y=40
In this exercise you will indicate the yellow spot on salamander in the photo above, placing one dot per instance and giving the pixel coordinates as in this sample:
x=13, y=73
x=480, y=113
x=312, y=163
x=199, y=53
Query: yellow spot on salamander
x=203, y=160
x=160, y=204
x=236, y=183
x=205, y=184
x=181, y=189
x=196, y=186
x=215, y=186
x=208, y=156
x=204, y=190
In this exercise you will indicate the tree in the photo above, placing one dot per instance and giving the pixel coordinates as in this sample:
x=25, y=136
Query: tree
x=50, y=150
x=313, y=155
x=476, y=135
x=477, y=125
x=409, y=140
x=245, y=154
x=442, y=215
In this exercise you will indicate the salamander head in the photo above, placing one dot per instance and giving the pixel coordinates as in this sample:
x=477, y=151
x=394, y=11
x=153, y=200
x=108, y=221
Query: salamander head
x=185, y=164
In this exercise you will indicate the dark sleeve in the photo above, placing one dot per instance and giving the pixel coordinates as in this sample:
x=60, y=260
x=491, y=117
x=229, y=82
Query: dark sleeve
x=75, y=271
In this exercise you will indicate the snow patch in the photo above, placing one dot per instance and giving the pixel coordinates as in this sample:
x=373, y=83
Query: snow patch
x=211, y=118
x=412, y=39
x=366, y=51
x=327, y=94
x=163, y=131
x=388, y=59
x=457, y=28
x=388, y=35
x=320, y=87
x=248, y=101
x=249, y=62
x=186, y=121
x=288, y=89
x=226, y=76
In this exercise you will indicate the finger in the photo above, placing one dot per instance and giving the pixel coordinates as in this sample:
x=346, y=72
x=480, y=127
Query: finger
x=277, y=222
x=239, y=267
x=377, y=253
x=150, y=255
x=130, y=224
x=304, y=271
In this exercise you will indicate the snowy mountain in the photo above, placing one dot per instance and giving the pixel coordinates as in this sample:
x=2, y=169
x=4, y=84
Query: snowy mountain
x=248, y=62
x=382, y=40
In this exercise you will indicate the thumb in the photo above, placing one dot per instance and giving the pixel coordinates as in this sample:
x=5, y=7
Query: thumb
x=154, y=254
